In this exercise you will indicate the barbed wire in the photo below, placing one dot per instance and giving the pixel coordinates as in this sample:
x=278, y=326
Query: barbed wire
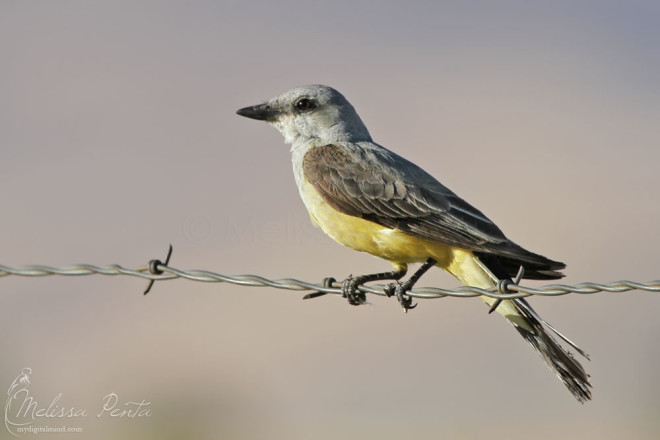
x=159, y=271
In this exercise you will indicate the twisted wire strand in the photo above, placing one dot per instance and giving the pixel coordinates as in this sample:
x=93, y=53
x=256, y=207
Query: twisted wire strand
x=169, y=273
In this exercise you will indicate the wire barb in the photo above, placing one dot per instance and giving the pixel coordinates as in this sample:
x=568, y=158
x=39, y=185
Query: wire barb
x=503, y=288
x=154, y=268
x=327, y=283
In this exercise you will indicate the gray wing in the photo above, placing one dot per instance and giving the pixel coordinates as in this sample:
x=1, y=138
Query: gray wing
x=380, y=186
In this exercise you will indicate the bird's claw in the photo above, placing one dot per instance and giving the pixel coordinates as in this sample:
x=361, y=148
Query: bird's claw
x=399, y=290
x=406, y=302
x=350, y=291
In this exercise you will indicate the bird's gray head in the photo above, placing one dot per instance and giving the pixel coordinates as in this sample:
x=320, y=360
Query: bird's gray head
x=311, y=113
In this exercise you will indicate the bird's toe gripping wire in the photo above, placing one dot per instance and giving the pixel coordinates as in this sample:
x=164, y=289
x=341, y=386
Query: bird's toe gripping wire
x=400, y=289
x=350, y=290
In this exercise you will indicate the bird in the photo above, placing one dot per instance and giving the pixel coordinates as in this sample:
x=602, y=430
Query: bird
x=372, y=200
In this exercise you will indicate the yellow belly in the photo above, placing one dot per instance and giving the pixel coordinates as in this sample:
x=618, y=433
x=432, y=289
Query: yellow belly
x=362, y=235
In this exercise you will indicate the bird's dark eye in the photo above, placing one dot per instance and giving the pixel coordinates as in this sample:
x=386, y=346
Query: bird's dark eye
x=304, y=104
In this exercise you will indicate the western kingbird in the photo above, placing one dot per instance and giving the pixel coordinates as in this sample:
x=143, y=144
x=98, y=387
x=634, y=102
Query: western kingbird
x=372, y=200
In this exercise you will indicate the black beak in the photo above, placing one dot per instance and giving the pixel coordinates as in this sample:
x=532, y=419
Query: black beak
x=261, y=112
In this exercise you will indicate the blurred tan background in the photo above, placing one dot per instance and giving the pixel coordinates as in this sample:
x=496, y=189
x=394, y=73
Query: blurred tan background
x=118, y=136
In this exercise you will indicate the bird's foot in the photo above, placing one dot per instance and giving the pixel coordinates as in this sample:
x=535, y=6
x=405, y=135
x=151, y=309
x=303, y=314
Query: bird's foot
x=399, y=290
x=350, y=291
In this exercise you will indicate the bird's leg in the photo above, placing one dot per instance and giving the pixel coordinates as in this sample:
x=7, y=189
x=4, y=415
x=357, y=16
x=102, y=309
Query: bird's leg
x=399, y=289
x=349, y=288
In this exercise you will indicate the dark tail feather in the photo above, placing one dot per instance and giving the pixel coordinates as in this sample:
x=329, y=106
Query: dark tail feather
x=537, y=267
x=562, y=362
